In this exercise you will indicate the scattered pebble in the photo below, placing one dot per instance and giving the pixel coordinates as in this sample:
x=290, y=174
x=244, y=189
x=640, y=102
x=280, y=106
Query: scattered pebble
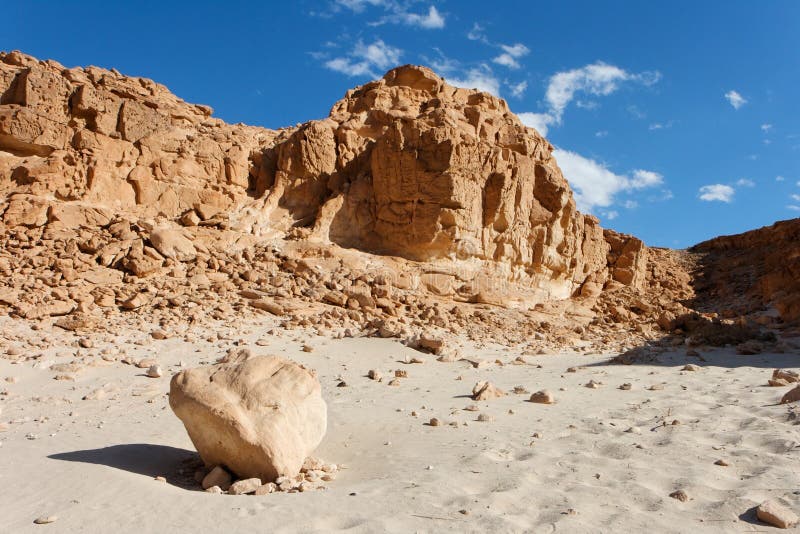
x=543, y=397
x=680, y=495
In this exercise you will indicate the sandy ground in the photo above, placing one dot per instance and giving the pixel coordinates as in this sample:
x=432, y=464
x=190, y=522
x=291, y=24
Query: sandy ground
x=599, y=460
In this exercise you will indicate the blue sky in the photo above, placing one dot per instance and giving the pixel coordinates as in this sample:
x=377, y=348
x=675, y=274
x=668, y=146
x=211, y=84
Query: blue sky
x=674, y=121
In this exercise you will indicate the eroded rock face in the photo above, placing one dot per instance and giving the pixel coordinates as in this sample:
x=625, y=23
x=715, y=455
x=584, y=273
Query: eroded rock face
x=259, y=416
x=119, y=195
x=754, y=271
x=413, y=167
x=91, y=138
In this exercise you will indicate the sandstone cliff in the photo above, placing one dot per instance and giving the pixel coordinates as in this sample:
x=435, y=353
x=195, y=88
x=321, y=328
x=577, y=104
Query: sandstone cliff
x=108, y=179
x=757, y=272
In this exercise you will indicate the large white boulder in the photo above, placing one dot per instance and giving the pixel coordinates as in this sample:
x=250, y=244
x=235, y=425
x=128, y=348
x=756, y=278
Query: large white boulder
x=259, y=416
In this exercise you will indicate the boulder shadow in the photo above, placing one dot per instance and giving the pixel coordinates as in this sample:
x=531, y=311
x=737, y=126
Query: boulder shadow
x=176, y=465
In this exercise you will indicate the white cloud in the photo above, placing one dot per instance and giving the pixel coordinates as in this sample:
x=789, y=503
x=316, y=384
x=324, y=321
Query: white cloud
x=432, y=21
x=611, y=214
x=537, y=121
x=745, y=182
x=398, y=13
x=597, y=79
x=516, y=50
x=795, y=197
x=779, y=178
x=510, y=55
x=507, y=60
x=518, y=89
x=642, y=179
x=359, y=5
x=793, y=207
x=601, y=133
x=766, y=127
x=716, y=192
x=477, y=33
x=661, y=125
x=595, y=185
x=442, y=64
x=480, y=78
x=736, y=100
x=630, y=204
x=364, y=59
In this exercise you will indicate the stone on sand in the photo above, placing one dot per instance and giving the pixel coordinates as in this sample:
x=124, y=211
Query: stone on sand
x=543, y=397
x=259, y=416
x=776, y=514
x=486, y=390
x=243, y=487
x=217, y=477
x=792, y=395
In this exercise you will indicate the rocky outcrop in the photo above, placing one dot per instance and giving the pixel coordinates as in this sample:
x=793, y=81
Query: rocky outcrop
x=410, y=166
x=78, y=144
x=757, y=272
x=111, y=172
x=259, y=416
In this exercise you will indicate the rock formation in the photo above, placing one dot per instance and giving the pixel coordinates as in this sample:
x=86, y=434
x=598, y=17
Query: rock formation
x=407, y=166
x=410, y=200
x=259, y=416
x=757, y=272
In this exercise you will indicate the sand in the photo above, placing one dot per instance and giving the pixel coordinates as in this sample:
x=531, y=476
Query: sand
x=598, y=460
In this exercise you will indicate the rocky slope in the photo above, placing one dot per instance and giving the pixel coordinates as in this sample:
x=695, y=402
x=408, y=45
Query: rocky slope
x=411, y=200
x=754, y=273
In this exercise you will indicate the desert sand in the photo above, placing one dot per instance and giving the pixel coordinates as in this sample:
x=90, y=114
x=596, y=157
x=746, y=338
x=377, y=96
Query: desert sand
x=415, y=248
x=598, y=459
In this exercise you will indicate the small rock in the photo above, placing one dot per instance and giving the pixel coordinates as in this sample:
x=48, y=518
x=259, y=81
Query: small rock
x=217, y=477
x=627, y=386
x=374, y=375
x=592, y=384
x=154, y=371
x=486, y=390
x=788, y=376
x=434, y=422
x=691, y=367
x=542, y=397
x=214, y=489
x=680, y=495
x=776, y=514
x=45, y=519
x=269, y=487
x=485, y=418
x=792, y=396
x=722, y=462
x=242, y=487
x=158, y=334
x=146, y=363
